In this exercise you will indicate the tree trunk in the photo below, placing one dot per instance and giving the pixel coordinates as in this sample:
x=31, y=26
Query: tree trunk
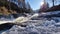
x=53, y=2
x=9, y=5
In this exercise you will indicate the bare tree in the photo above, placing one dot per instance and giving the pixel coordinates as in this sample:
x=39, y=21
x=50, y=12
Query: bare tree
x=9, y=5
x=18, y=2
x=54, y=2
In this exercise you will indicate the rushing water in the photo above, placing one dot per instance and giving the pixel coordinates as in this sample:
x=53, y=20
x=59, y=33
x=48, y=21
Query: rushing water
x=41, y=26
x=36, y=27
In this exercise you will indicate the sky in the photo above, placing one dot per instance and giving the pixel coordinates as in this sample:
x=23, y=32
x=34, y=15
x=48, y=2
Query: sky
x=35, y=4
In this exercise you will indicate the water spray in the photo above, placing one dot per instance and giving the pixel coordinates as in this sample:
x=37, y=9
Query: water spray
x=6, y=25
x=19, y=20
x=24, y=19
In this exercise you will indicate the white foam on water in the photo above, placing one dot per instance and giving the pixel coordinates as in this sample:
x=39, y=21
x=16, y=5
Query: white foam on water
x=40, y=27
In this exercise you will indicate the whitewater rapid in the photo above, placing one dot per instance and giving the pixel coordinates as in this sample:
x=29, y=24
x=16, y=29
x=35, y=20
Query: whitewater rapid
x=36, y=27
x=41, y=26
